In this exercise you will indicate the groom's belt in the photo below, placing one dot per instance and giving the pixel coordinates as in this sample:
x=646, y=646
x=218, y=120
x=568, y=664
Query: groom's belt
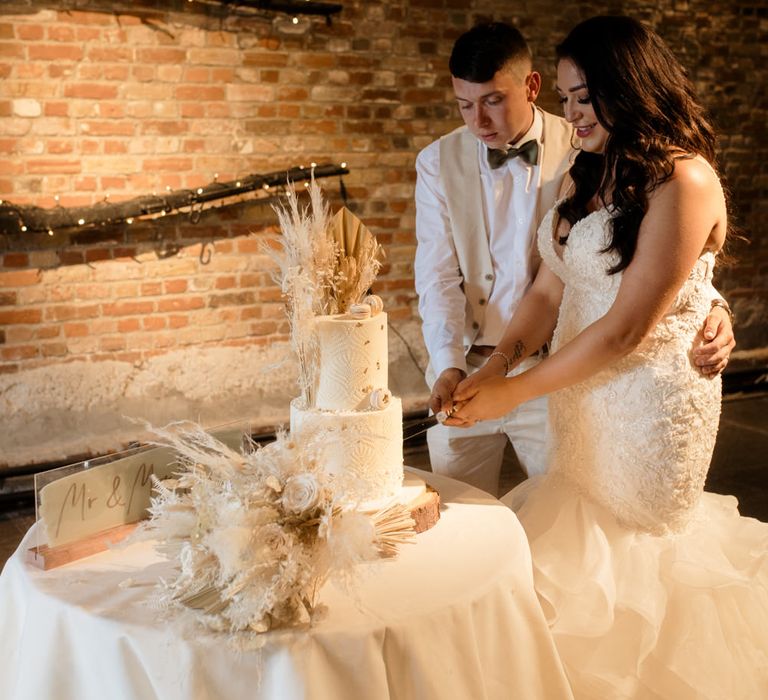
x=484, y=350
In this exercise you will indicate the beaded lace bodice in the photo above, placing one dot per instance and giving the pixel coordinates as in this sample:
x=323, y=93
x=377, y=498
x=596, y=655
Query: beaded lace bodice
x=638, y=436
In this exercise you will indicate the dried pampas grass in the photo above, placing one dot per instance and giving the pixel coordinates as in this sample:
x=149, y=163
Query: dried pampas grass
x=255, y=535
x=325, y=265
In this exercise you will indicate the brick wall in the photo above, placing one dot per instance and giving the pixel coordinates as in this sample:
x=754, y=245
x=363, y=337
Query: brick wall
x=119, y=100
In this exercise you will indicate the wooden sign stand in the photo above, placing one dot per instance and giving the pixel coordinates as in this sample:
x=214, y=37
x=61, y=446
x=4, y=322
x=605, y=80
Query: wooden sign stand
x=45, y=557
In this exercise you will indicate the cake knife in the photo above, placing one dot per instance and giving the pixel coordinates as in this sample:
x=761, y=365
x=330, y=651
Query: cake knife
x=422, y=426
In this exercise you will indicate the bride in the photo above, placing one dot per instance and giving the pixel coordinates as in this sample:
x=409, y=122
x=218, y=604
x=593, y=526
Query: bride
x=652, y=587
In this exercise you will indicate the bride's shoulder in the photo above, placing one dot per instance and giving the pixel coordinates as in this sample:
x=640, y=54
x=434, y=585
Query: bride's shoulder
x=695, y=170
x=692, y=177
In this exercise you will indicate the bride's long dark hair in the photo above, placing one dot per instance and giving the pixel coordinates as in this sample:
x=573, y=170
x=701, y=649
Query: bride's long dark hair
x=643, y=97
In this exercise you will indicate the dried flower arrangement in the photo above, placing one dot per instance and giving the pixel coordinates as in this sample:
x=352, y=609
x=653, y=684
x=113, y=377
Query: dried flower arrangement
x=326, y=265
x=256, y=534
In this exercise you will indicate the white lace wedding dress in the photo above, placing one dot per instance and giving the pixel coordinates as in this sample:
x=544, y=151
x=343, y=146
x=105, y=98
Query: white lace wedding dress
x=652, y=588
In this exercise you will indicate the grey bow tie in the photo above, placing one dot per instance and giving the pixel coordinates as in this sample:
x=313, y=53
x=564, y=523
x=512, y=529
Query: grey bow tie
x=529, y=152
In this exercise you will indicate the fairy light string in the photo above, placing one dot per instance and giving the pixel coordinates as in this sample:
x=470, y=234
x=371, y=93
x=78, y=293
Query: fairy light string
x=31, y=220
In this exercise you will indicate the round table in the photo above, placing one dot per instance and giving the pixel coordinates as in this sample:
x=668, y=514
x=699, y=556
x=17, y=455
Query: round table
x=454, y=616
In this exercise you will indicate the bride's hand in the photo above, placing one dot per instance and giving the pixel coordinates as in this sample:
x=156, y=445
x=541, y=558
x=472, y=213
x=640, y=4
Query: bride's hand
x=490, y=397
x=489, y=369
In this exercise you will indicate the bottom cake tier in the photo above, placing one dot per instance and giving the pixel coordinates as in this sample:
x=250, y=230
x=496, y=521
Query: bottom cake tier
x=362, y=449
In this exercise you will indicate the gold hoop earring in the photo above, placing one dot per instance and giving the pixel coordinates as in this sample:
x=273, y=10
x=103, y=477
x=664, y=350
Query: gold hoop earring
x=575, y=146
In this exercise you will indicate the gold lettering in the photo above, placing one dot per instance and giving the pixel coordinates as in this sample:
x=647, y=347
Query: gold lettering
x=76, y=498
x=143, y=474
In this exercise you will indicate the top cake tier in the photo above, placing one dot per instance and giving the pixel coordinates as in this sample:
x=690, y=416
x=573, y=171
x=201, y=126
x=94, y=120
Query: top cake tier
x=353, y=361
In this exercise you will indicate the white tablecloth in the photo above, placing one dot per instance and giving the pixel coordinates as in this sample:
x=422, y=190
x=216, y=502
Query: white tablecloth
x=454, y=617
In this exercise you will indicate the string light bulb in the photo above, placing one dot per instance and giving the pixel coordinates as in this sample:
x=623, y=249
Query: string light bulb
x=80, y=222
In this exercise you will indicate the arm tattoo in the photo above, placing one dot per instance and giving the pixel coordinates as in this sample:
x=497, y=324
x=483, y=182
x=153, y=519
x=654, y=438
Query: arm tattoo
x=518, y=351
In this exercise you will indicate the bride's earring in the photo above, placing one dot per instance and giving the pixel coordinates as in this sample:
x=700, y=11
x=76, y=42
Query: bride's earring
x=575, y=146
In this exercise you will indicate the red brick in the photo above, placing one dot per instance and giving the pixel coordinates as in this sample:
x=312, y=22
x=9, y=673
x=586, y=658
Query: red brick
x=110, y=128
x=8, y=298
x=70, y=313
x=75, y=330
x=54, y=52
x=188, y=303
x=264, y=59
x=174, y=164
x=91, y=91
x=85, y=34
x=112, y=182
x=153, y=323
x=320, y=60
x=151, y=289
x=24, y=278
x=110, y=54
x=15, y=260
x=10, y=49
x=61, y=33
x=20, y=352
x=112, y=110
x=71, y=257
x=53, y=349
x=116, y=73
x=128, y=308
x=176, y=321
x=50, y=166
x=14, y=316
x=168, y=128
x=128, y=325
x=60, y=146
x=28, y=32
x=226, y=282
x=94, y=254
x=48, y=332
x=161, y=55
x=175, y=286
x=199, y=93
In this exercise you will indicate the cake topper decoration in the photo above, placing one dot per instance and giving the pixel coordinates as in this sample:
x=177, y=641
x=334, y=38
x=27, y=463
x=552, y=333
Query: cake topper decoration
x=326, y=265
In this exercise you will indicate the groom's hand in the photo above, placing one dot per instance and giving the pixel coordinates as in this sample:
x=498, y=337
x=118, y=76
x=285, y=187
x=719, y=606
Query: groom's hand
x=441, y=398
x=714, y=343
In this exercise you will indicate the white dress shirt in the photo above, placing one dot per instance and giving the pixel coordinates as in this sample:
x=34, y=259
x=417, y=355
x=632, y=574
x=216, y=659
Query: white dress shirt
x=509, y=206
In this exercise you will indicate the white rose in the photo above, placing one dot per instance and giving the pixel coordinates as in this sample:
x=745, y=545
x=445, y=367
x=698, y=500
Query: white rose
x=300, y=493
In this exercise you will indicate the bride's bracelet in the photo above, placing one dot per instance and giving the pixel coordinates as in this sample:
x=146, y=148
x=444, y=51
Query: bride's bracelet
x=503, y=356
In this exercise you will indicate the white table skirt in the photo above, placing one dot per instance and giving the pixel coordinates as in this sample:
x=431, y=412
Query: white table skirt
x=455, y=616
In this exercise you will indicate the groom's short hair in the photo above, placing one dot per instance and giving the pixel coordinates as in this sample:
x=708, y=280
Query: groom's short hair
x=487, y=48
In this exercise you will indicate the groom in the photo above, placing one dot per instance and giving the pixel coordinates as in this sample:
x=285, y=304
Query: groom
x=481, y=192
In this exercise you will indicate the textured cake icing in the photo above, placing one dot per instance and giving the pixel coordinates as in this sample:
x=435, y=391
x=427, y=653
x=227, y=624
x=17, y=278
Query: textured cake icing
x=353, y=361
x=353, y=406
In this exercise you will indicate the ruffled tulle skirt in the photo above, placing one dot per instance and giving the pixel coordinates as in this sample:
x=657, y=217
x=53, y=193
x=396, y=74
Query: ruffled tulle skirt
x=635, y=615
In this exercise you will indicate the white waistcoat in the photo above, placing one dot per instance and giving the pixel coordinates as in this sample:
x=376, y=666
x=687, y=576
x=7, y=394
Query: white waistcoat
x=460, y=176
